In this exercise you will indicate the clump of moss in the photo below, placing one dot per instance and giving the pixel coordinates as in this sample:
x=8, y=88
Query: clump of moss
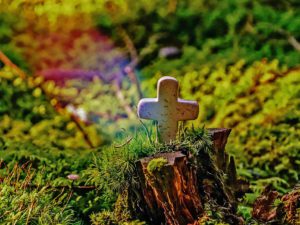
x=107, y=218
x=155, y=165
x=102, y=218
x=21, y=203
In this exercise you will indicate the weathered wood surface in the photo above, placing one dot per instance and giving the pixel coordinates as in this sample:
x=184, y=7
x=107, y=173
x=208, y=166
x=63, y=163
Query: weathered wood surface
x=177, y=193
x=287, y=212
x=173, y=189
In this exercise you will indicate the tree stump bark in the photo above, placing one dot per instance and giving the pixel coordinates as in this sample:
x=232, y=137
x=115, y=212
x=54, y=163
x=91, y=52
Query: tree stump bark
x=178, y=188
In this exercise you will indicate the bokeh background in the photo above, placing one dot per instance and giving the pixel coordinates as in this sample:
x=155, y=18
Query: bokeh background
x=72, y=72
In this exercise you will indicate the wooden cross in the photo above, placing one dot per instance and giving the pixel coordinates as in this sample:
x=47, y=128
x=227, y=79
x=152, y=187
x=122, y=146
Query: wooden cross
x=167, y=109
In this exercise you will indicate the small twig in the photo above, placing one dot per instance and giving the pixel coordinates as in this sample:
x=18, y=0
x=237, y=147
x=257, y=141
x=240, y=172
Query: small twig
x=69, y=197
x=29, y=211
x=59, y=195
x=126, y=142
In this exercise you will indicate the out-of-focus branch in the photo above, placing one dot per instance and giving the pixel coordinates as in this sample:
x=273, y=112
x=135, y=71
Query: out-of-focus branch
x=130, y=46
x=290, y=38
x=130, y=68
x=9, y=63
x=124, y=104
x=77, y=121
x=293, y=41
x=23, y=75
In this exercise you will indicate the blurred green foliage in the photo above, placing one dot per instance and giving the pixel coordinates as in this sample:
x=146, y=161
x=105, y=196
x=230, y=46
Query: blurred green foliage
x=27, y=114
x=207, y=33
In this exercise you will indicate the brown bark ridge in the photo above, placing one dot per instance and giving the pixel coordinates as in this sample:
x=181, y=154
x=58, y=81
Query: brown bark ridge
x=180, y=188
x=285, y=212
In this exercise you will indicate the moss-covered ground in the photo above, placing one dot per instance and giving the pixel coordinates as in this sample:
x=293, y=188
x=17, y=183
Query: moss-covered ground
x=238, y=59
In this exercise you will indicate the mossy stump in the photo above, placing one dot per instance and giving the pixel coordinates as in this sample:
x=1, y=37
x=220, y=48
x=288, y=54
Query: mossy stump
x=179, y=188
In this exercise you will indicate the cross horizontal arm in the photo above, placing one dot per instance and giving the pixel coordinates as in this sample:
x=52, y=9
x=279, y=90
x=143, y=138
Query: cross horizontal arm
x=187, y=110
x=148, y=108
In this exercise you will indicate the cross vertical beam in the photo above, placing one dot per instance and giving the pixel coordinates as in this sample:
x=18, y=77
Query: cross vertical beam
x=167, y=109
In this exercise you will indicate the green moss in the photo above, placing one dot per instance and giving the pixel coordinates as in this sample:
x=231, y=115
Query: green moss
x=259, y=100
x=102, y=218
x=20, y=204
x=155, y=165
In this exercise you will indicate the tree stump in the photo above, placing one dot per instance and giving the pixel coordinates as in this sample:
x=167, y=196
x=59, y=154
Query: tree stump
x=179, y=188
